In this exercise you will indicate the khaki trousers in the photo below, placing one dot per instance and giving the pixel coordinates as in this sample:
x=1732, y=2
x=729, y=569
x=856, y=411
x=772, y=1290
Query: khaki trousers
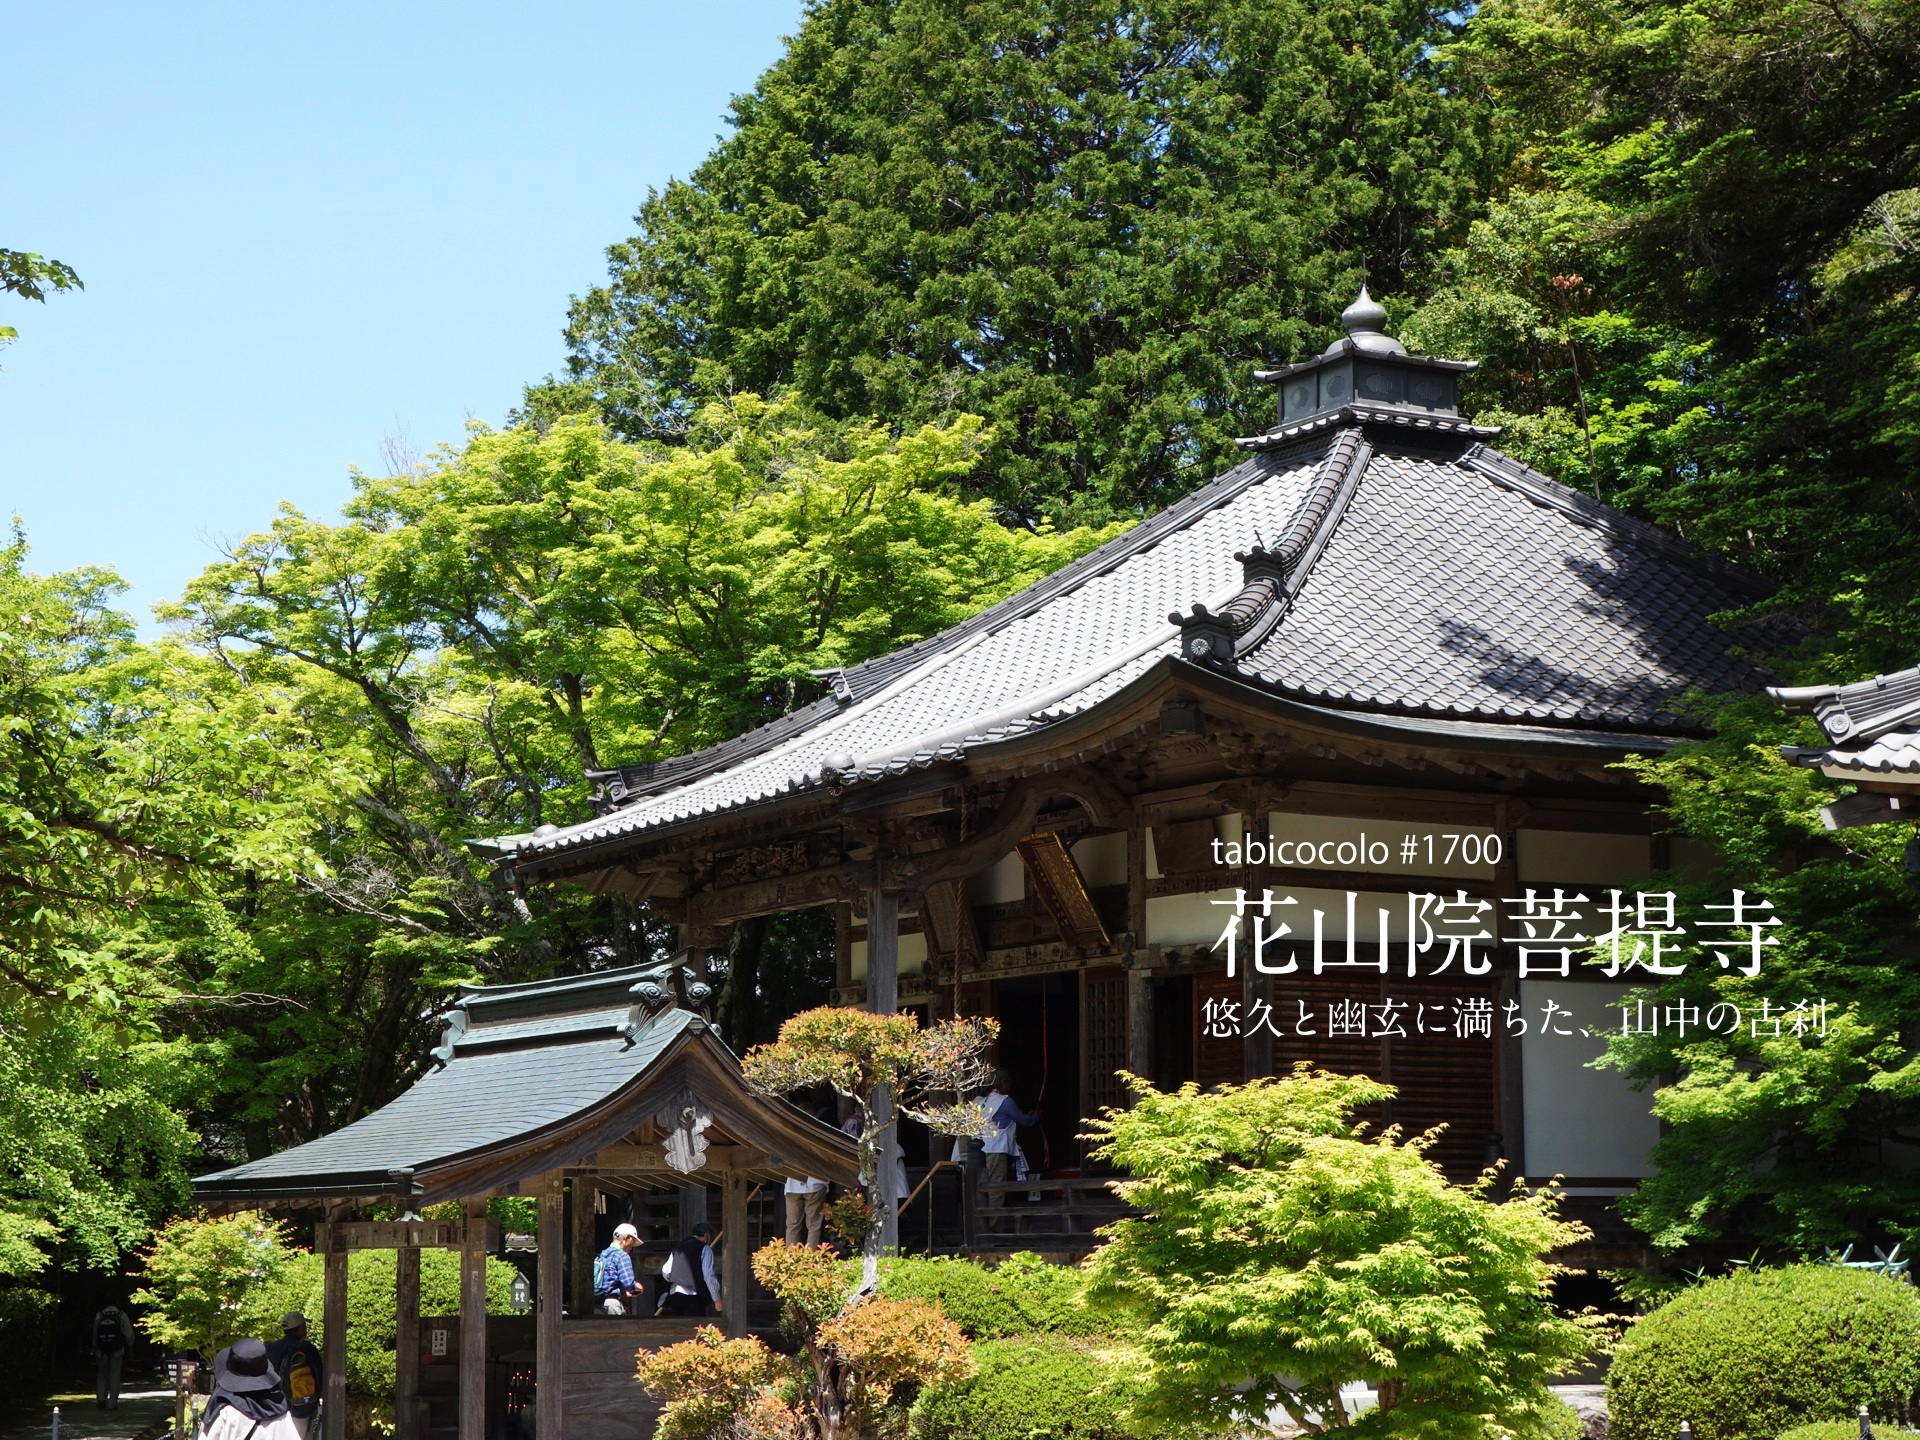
x=806, y=1211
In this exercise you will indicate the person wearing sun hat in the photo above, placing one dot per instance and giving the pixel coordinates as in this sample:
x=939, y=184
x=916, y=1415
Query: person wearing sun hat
x=247, y=1402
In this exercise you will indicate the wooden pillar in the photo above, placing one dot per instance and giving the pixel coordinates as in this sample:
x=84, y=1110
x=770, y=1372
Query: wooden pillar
x=1512, y=1100
x=842, y=952
x=883, y=951
x=473, y=1324
x=1256, y=995
x=1139, y=978
x=734, y=1270
x=550, y=1363
x=1140, y=1023
x=580, y=1250
x=883, y=998
x=333, y=1355
x=693, y=1208
x=406, y=1343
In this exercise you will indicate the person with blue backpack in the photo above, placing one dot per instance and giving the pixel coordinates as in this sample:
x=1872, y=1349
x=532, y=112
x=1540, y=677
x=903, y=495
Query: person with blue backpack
x=613, y=1282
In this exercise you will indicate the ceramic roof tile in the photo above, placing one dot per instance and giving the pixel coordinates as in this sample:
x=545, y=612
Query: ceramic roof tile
x=1455, y=583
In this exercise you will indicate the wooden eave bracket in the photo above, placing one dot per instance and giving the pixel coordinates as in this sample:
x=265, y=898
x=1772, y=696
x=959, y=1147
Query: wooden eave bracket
x=1061, y=888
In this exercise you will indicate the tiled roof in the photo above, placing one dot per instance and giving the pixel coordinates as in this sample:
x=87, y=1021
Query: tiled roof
x=1436, y=578
x=1874, y=725
x=510, y=1077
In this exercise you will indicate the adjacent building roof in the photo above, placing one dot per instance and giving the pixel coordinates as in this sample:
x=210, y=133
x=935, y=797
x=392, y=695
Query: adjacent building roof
x=533, y=1077
x=1874, y=727
x=1374, y=556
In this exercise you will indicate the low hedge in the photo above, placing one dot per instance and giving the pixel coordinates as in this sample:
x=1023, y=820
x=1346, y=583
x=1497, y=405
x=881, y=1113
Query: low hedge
x=1039, y=1387
x=1749, y=1355
x=1835, y=1430
x=1023, y=1295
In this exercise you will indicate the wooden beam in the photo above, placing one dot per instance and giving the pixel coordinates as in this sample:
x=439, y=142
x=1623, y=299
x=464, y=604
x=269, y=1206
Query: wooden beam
x=397, y=1234
x=629, y=1159
x=550, y=1360
x=406, y=1345
x=798, y=891
x=333, y=1356
x=473, y=1325
x=733, y=1260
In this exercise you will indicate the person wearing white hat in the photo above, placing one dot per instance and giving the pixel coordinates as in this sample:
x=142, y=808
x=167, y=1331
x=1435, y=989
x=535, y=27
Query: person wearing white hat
x=613, y=1282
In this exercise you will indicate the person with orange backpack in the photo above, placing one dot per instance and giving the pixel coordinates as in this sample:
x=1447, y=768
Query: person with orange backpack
x=297, y=1362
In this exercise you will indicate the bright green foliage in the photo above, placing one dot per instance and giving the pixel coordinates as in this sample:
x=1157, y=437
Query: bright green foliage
x=1040, y=1387
x=1779, y=1139
x=1022, y=1295
x=1287, y=1253
x=30, y=277
x=209, y=1282
x=1836, y=1430
x=1747, y=1355
x=1728, y=188
x=884, y=1064
x=92, y=1152
x=1088, y=223
x=372, y=1318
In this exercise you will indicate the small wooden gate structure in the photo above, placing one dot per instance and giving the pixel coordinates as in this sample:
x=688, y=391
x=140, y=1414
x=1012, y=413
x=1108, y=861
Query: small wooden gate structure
x=608, y=1082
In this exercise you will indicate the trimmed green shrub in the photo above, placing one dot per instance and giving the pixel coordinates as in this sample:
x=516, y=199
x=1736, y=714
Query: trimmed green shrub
x=1039, y=1387
x=26, y=1341
x=1837, y=1430
x=1746, y=1356
x=1022, y=1296
x=372, y=1318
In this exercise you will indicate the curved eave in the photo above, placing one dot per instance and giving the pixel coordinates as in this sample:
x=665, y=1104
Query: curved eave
x=763, y=1121
x=1470, y=736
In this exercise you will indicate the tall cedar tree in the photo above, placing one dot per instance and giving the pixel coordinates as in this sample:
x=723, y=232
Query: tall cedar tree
x=1087, y=223
x=1701, y=295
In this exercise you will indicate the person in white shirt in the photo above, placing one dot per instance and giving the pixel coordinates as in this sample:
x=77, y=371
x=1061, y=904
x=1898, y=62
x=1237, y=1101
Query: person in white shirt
x=1001, y=1139
x=247, y=1403
x=693, y=1281
x=806, y=1209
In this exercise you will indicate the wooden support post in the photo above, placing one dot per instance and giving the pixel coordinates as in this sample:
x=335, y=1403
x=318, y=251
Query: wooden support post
x=550, y=1362
x=883, y=998
x=473, y=1324
x=580, y=1249
x=693, y=1208
x=1256, y=1045
x=1513, y=1123
x=883, y=951
x=1140, y=1023
x=333, y=1355
x=406, y=1344
x=733, y=1260
x=842, y=952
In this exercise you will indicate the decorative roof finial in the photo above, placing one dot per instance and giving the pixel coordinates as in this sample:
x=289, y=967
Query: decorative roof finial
x=1365, y=315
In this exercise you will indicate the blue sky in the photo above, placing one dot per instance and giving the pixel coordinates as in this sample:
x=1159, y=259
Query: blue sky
x=304, y=229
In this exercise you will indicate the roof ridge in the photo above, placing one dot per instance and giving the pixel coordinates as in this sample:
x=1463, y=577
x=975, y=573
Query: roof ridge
x=1518, y=476
x=883, y=670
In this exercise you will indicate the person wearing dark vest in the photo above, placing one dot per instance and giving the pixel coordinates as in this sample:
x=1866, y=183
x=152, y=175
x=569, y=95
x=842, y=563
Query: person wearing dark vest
x=297, y=1363
x=694, y=1285
x=112, y=1334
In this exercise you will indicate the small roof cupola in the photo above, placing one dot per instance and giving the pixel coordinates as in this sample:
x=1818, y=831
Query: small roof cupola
x=1367, y=367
